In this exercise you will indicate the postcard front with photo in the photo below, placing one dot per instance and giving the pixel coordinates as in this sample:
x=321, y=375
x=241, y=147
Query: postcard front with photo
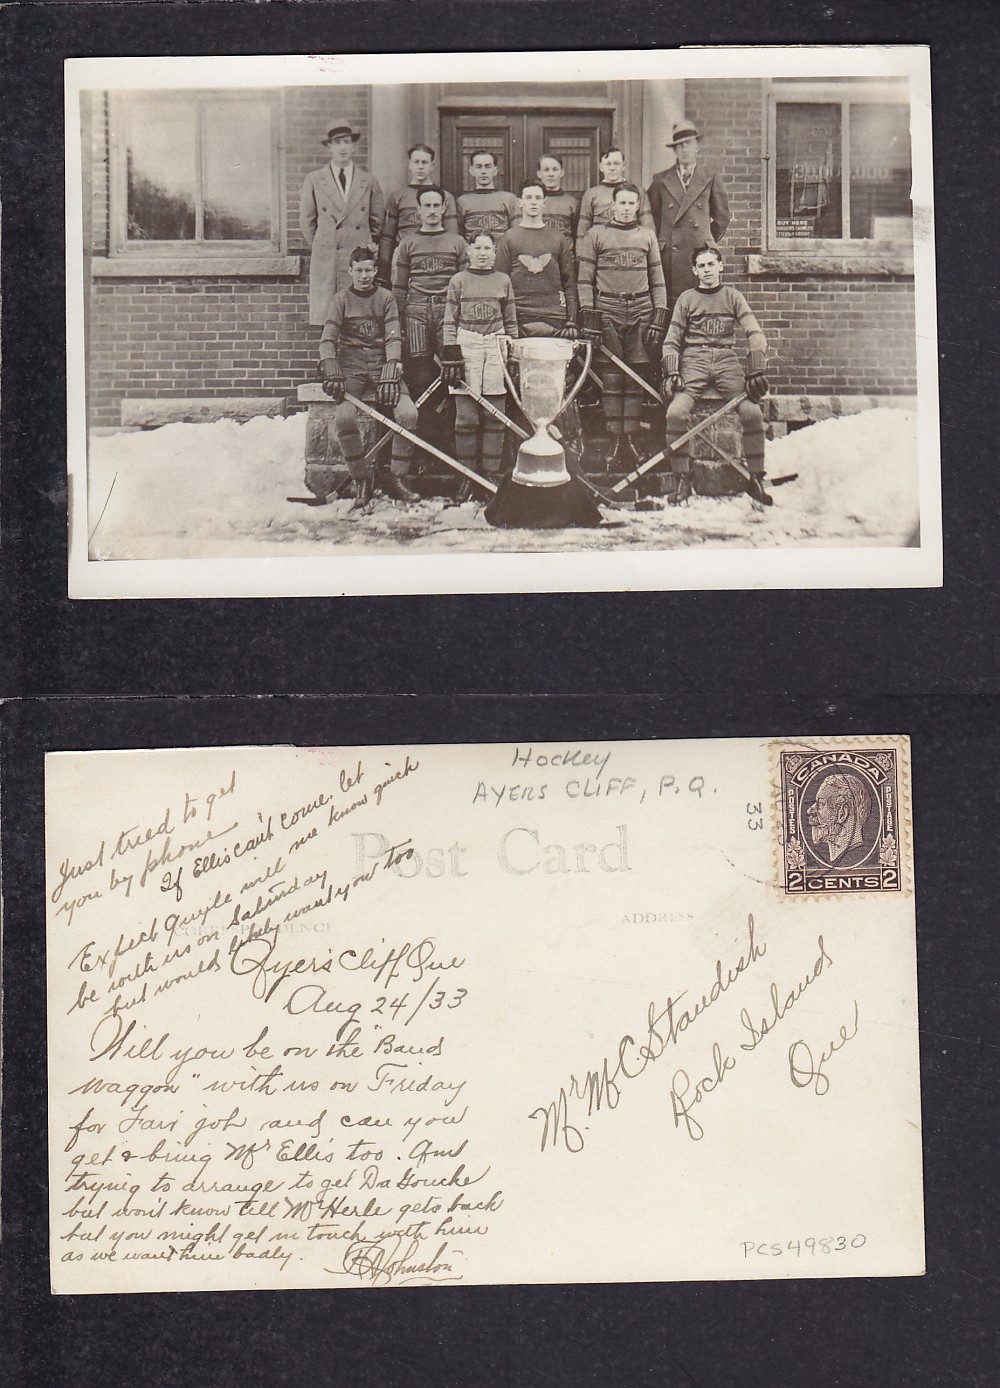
x=501, y=322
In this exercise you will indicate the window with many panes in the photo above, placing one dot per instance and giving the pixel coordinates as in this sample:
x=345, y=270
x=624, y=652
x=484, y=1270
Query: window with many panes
x=839, y=166
x=195, y=172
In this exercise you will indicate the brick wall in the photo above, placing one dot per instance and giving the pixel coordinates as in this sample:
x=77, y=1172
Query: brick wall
x=843, y=335
x=192, y=337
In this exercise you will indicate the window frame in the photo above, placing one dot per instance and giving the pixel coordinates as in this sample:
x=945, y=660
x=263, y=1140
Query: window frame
x=843, y=94
x=121, y=249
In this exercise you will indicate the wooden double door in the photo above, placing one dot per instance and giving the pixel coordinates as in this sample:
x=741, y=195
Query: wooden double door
x=518, y=139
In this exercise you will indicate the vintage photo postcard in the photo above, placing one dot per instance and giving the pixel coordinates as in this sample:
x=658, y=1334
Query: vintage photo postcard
x=501, y=322
x=341, y=1017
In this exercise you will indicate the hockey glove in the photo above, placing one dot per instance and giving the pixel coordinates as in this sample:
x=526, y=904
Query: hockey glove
x=569, y=330
x=387, y=390
x=655, y=331
x=757, y=384
x=672, y=382
x=590, y=326
x=334, y=383
x=757, y=387
x=452, y=365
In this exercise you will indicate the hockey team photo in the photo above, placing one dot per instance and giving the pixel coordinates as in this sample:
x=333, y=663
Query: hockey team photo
x=562, y=321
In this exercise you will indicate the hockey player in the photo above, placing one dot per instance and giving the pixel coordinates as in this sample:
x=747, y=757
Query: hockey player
x=623, y=307
x=597, y=203
x=538, y=259
x=486, y=208
x=401, y=212
x=700, y=351
x=425, y=261
x=479, y=313
x=360, y=351
x=561, y=209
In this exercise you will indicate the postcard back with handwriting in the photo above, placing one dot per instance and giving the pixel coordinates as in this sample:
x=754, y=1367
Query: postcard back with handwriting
x=544, y=1012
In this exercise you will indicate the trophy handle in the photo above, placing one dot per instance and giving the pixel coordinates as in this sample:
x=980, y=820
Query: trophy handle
x=588, y=356
x=503, y=362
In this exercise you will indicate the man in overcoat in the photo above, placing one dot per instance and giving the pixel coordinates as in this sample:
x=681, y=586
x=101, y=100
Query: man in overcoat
x=689, y=207
x=342, y=206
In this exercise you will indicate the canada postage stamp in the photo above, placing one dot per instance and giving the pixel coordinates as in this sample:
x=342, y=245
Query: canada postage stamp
x=840, y=819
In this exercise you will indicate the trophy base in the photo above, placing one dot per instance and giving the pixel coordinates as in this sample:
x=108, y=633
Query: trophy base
x=541, y=462
x=519, y=507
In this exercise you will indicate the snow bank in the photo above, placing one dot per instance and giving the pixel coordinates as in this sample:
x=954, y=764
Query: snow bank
x=221, y=489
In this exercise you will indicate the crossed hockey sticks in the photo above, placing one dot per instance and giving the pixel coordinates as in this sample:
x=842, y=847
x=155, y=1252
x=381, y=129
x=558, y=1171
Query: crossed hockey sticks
x=658, y=458
x=405, y=433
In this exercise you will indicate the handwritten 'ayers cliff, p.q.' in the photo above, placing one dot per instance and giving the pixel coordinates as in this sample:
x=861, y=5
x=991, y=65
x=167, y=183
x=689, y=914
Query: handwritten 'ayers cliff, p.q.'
x=397, y=1016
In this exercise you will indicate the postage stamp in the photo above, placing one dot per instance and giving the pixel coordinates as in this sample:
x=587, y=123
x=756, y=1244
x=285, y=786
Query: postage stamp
x=840, y=819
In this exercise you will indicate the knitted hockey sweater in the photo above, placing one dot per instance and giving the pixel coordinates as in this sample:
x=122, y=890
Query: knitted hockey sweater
x=369, y=321
x=493, y=210
x=620, y=260
x=480, y=301
x=402, y=216
x=425, y=261
x=709, y=318
x=540, y=264
x=597, y=209
x=560, y=211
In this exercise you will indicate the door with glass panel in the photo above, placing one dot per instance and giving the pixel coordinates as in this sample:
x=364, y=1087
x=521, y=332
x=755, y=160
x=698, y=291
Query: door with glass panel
x=518, y=139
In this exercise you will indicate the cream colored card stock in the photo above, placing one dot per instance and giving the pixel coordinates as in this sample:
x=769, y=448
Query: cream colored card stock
x=392, y=1016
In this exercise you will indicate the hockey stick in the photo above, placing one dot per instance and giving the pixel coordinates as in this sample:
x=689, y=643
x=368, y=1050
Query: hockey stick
x=624, y=367
x=377, y=447
x=373, y=413
x=658, y=458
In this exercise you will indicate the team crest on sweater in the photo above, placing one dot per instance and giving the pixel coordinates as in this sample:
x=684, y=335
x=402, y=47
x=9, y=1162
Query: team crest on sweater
x=535, y=264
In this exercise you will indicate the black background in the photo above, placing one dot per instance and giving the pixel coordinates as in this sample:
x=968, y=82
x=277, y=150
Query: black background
x=923, y=662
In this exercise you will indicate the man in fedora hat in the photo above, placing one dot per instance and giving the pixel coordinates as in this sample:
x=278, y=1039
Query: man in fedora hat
x=690, y=209
x=341, y=207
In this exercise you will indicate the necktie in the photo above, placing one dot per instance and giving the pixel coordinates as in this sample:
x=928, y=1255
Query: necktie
x=343, y=181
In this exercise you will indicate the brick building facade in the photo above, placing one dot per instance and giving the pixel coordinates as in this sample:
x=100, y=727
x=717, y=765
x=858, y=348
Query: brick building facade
x=204, y=319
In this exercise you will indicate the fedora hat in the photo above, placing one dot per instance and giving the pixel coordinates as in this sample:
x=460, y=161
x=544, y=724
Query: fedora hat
x=342, y=128
x=683, y=130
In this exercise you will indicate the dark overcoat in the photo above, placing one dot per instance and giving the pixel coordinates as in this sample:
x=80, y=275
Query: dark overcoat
x=685, y=221
x=333, y=227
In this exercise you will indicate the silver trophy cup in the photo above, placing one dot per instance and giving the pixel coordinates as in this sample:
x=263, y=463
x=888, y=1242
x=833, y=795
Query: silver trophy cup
x=542, y=394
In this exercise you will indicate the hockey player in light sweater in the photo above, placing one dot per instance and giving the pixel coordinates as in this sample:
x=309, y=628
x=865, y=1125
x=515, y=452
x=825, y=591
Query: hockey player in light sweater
x=402, y=211
x=623, y=306
x=700, y=351
x=486, y=207
x=360, y=352
x=479, y=315
x=561, y=209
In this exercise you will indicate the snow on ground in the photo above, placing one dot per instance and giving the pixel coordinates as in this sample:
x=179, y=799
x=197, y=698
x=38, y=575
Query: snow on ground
x=220, y=490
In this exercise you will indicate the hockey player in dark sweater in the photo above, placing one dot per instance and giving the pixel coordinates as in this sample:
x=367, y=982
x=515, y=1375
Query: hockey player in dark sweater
x=360, y=351
x=479, y=314
x=623, y=305
x=487, y=207
x=539, y=262
x=700, y=351
x=561, y=209
x=402, y=214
